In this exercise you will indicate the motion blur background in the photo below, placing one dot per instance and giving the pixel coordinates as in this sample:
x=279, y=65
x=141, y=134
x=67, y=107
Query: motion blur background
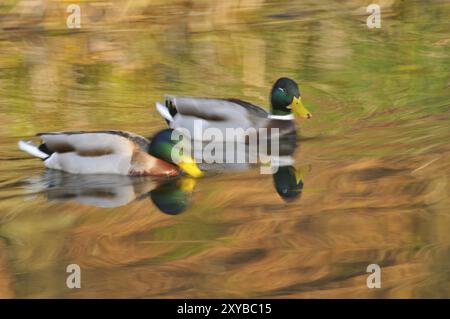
x=375, y=156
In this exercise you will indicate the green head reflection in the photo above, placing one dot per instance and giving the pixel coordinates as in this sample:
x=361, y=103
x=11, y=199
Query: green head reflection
x=288, y=182
x=174, y=196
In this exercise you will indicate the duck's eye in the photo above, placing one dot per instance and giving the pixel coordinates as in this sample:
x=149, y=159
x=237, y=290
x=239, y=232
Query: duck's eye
x=282, y=90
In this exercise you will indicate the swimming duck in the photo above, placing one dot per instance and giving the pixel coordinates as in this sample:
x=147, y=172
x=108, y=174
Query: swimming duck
x=111, y=152
x=194, y=114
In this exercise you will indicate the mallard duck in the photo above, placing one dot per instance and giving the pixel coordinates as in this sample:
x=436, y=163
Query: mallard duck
x=197, y=114
x=111, y=152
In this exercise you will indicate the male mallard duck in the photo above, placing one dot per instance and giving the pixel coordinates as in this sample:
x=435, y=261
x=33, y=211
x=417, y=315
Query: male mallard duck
x=111, y=152
x=190, y=112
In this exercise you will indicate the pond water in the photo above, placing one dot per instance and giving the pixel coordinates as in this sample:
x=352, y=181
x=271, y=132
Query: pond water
x=374, y=159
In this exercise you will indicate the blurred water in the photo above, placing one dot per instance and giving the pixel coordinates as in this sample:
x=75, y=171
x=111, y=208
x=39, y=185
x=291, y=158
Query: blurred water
x=374, y=159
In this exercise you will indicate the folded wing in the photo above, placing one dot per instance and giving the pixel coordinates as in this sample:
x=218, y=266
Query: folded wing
x=101, y=152
x=94, y=143
x=214, y=109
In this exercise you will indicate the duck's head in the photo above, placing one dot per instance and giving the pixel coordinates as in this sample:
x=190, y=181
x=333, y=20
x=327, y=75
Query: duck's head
x=285, y=98
x=165, y=146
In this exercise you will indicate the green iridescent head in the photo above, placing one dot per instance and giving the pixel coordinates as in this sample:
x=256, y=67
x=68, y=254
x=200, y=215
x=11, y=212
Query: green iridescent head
x=285, y=98
x=163, y=146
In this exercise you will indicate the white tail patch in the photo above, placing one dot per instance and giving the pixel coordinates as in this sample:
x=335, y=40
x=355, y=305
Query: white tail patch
x=164, y=111
x=32, y=149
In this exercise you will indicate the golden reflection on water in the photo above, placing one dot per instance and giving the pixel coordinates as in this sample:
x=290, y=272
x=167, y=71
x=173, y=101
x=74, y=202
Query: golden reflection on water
x=375, y=158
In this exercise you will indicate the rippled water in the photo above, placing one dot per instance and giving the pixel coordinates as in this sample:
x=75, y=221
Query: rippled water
x=374, y=158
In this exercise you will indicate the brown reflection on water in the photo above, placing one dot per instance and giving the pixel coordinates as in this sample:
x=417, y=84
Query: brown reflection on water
x=375, y=158
x=351, y=214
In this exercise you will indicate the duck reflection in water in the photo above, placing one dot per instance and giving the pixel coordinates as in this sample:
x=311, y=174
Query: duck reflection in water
x=287, y=175
x=171, y=196
x=288, y=182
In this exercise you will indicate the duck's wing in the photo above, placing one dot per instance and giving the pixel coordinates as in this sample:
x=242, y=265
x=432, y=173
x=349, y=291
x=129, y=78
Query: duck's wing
x=213, y=109
x=251, y=108
x=94, y=142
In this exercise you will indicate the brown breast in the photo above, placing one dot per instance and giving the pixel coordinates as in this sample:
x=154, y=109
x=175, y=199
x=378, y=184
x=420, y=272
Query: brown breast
x=162, y=168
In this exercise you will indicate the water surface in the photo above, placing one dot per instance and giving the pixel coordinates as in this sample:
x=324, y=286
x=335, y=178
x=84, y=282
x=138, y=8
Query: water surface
x=374, y=158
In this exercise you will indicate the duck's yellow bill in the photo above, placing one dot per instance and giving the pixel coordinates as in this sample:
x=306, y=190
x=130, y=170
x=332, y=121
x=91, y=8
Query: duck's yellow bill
x=299, y=109
x=188, y=165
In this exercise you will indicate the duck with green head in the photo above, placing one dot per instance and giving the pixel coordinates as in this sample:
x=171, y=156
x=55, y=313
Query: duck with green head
x=195, y=114
x=112, y=152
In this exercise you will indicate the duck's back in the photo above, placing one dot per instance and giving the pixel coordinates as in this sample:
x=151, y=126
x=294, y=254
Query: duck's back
x=195, y=115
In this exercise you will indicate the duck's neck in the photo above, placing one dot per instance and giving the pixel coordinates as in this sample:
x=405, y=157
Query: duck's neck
x=285, y=117
x=280, y=113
